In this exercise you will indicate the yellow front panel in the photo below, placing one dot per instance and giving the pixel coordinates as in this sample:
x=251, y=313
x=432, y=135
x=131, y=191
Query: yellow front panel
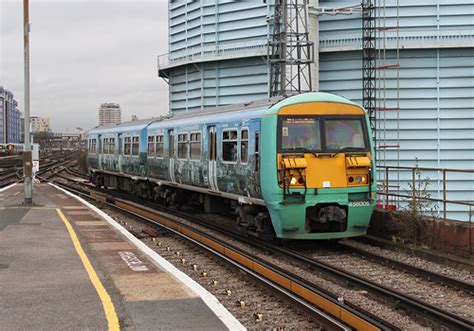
x=329, y=170
x=324, y=171
x=321, y=108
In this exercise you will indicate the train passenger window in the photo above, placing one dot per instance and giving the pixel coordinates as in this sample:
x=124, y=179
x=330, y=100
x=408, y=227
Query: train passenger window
x=105, y=146
x=127, y=145
x=135, y=145
x=244, y=146
x=183, y=146
x=229, y=145
x=112, y=145
x=160, y=146
x=195, y=145
x=151, y=146
x=92, y=145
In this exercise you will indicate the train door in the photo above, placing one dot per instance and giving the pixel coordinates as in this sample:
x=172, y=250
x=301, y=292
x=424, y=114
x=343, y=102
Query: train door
x=99, y=151
x=120, y=152
x=212, y=138
x=171, y=154
x=255, y=160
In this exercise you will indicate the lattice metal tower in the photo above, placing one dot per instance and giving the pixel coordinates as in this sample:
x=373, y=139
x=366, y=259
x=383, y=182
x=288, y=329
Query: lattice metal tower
x=369, y=49
x=290, y=52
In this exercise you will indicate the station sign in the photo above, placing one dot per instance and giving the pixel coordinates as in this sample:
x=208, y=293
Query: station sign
x=36, y=166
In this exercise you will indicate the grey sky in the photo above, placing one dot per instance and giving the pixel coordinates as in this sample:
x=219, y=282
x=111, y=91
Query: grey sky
x=84, y=53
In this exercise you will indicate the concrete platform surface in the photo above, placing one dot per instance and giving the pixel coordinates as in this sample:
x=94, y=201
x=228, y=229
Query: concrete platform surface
x=48, y=284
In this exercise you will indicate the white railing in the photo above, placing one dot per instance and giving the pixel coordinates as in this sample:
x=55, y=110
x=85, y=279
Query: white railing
x=211, y=52
x=407, y=39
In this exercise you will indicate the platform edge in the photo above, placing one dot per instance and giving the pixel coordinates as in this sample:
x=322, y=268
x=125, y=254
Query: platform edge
x=7, y=187
x=209, y=299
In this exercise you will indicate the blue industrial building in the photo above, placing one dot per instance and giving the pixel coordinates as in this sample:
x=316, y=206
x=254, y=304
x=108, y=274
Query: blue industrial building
x=217, y=53
x=425, y=85
x=9, y=118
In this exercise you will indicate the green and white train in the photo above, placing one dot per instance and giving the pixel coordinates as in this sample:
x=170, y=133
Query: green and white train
x=295, y=168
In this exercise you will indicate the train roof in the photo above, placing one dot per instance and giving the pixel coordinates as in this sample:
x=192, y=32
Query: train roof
x=312, y=97
x=124, y=126
x=238, y=111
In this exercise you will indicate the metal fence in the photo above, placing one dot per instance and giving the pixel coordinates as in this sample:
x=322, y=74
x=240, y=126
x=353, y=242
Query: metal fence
x=416, y=190
x=214, y=51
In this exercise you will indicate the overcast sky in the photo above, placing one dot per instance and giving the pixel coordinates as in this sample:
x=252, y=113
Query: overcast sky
x=84, y=53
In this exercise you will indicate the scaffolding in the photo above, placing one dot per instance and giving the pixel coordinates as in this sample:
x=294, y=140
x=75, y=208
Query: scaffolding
x=290, y=52
x=378, y=69
x=369, y=48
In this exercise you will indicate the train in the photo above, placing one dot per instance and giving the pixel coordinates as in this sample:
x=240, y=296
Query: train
x=296, y=168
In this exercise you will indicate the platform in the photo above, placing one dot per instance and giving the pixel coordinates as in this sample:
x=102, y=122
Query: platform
x=65, y=266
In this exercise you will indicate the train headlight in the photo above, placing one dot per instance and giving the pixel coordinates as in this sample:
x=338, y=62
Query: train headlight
x=293, y=181
x=357, y=179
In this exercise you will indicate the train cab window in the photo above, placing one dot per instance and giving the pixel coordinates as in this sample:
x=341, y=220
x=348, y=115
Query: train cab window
x=300, y=134
x=183, y=146
x=135, y=146
x=345, y=134
x=111, y=145
x=160, y=146
x=127, y=146
x=151, y=146
x=229, y=146
x=195, y=145
x=244, y=146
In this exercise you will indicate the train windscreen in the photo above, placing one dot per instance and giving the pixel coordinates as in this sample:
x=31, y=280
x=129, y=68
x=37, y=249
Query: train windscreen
x=322, y=134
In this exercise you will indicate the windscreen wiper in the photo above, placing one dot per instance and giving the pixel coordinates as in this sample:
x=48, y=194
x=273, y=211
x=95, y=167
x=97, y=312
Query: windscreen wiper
x=352, y=148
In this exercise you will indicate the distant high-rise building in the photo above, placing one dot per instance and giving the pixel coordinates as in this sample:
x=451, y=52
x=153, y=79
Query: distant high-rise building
x=9, y=118
x=39, y=124
x=110, y=113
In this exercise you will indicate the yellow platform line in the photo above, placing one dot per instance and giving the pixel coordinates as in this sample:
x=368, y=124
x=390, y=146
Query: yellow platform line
x=109, y=309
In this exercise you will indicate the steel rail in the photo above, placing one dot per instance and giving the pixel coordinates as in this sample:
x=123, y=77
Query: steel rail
x=311, y=293
x=434, y=276
x=433, y=312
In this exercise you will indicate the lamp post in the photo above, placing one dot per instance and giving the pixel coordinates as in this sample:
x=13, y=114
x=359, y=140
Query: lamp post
x=27, y=157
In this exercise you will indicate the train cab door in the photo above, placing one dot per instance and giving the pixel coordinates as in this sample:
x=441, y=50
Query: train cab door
x=212, y=139
x=120, y=152
x=171, y=155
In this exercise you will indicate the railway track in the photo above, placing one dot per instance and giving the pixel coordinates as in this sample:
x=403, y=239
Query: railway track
x=48, y=162
x=408, y=268
x=423, y=309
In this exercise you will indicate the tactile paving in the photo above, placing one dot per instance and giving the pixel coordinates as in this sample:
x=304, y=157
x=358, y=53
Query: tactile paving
x=151, y=286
